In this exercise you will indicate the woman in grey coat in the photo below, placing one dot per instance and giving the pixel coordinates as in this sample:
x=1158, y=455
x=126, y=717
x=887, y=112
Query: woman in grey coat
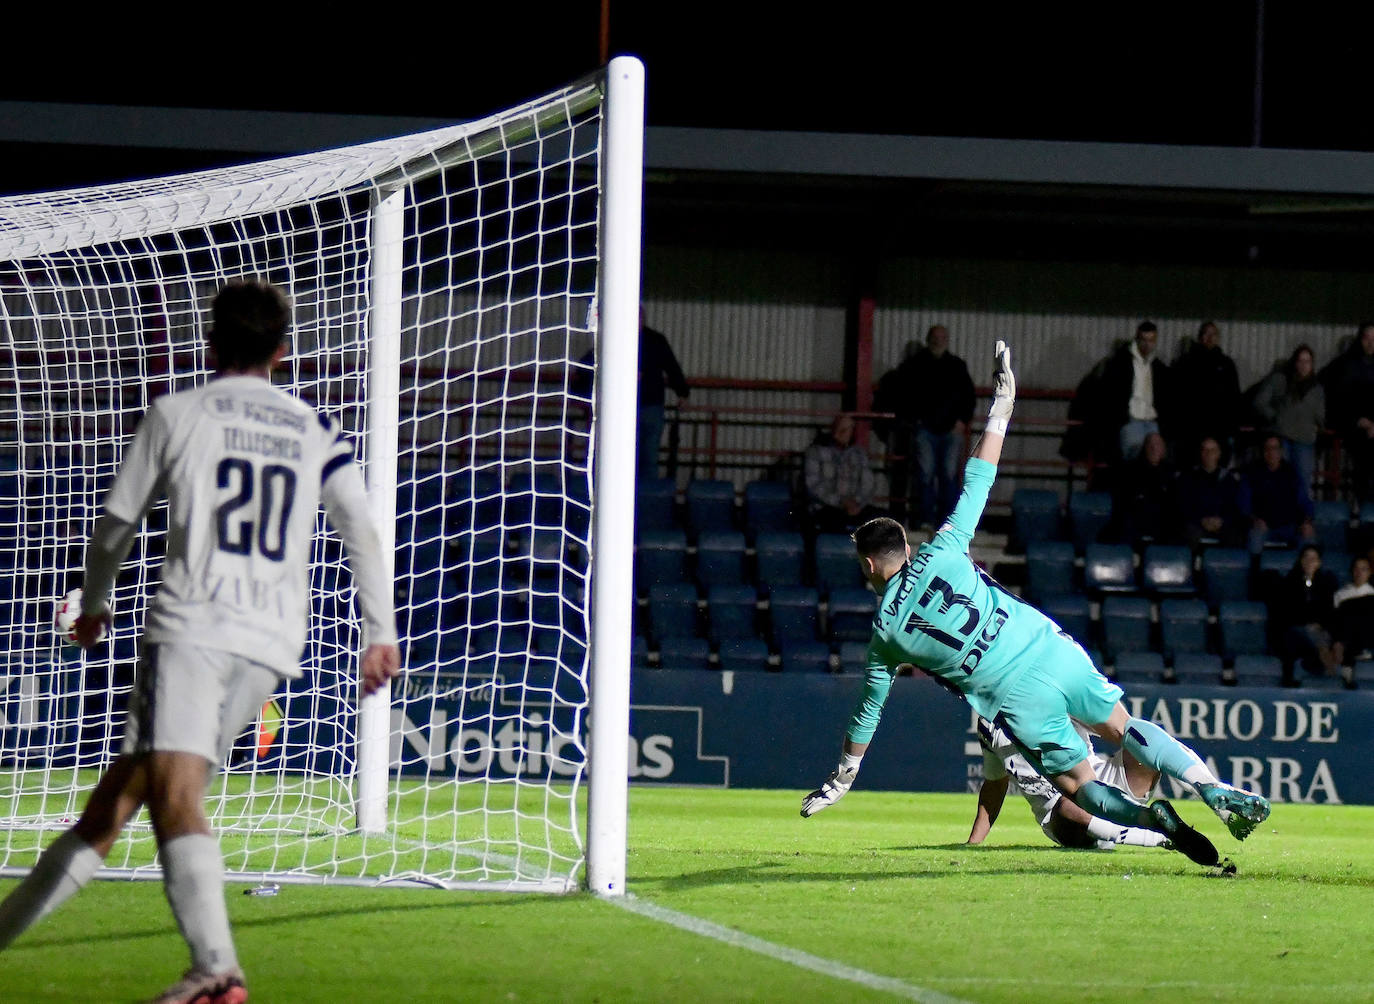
x=1292, y=404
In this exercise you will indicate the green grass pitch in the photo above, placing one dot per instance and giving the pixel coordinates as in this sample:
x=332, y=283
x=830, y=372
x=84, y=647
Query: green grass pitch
x=880, y=884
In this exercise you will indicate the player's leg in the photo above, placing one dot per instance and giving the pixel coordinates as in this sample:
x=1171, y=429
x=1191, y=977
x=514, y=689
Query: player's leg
x=73, y=858
x=204, y=698
x=1138, y=778
x=1121, y=770
x=1111, y=803
x=1241, y=811
x=1061, y=684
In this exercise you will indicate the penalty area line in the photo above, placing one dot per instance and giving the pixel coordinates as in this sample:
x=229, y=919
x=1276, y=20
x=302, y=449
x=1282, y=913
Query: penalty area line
x=792, y=956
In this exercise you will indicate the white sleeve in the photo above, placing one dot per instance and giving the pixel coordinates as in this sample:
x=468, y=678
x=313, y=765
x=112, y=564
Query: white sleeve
x=110, y=542
x=993, y=768
x=345, y=501
x=139, y=481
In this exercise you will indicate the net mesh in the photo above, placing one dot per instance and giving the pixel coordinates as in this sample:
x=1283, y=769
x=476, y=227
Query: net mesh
x=104, y=302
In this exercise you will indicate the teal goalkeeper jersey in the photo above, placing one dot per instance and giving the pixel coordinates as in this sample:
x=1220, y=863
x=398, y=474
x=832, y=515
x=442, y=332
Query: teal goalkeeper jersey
x=946, y=616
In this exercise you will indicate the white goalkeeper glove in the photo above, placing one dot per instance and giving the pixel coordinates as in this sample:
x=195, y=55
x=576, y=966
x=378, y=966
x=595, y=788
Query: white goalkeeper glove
x=834, y=788
x=1003, y=390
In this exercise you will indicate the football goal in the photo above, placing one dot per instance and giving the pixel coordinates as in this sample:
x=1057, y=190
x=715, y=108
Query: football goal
x=466, y=306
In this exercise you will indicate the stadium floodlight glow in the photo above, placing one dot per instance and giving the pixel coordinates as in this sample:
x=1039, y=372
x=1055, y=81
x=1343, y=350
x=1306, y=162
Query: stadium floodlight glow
x=447, y=287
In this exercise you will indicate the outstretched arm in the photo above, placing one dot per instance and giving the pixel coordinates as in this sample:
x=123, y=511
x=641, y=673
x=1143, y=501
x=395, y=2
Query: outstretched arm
x=862, y=724
x=989, y=446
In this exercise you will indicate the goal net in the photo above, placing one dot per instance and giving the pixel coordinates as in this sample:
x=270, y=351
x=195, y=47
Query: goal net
x=445, y=288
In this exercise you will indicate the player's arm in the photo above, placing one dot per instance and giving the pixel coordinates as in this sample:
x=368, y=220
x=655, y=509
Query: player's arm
x=345, y=501
x=990, y=798
x=137, y=484
x=862, y=724
x=981, y=468
x=989, y=445
x=996, y=780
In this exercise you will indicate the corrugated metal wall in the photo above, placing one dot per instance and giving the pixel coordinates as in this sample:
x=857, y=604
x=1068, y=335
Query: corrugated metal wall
x=1063, y=318
x=781, y=316
x=749, y=316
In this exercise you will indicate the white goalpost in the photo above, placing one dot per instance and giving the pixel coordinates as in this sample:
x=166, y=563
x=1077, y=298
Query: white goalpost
x=466, y=305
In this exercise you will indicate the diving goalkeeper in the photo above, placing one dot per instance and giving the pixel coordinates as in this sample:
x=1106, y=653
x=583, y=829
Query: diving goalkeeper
x=941, y=613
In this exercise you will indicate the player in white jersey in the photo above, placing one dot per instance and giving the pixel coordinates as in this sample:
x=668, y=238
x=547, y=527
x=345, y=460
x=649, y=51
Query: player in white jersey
x=1006, y=769
x=244, y=467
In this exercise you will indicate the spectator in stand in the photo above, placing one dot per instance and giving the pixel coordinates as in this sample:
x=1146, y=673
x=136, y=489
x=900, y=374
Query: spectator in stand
x=1274, y=499
x=658, y=369
x=1145, y=506
x=1291, y=403
x=1207, y=392
x=1349, y=382
x=1207, y=494
x=1137, y=391
x=1302, y=614
x=932, y=395
x=1354, y=603
x=839, y=480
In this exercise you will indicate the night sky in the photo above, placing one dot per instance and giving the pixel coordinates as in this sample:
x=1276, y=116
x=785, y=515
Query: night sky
x=1179, y=73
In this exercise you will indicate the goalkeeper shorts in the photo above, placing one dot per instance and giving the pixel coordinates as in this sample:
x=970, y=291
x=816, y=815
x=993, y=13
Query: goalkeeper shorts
x=1060, y=683
x=190, y=699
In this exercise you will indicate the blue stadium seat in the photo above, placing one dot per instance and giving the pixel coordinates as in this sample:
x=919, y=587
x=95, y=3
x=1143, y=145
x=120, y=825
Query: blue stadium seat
x=710, y=506
x=1125, y=625
x=1035, y=516
x=639, y=652
x=1277, y=560
x=849, y=614
x=1198, y=669
x=792, y=615
x=1182, y=627
x=779, y=559
x=1242, y=628
x=543, y=549
x=535, y=494
x=1331, y=519
x=1089, y=514
x=743, y=655
x=1257, y=671
x=1138, y=667
x=1338, y=563
x=673, y=611
x=768, y=507
x=1049, y=568
x=1109, y=568
x=805, y=657
x=1073, y=613
x=853, y=657
x=731, y=612
x=661, y=558
x=1225, y=575
x=655, y=505
x=684, y=653
x=836, y=563
x=1272, y=566
x=720, y=558
x=1167, y=570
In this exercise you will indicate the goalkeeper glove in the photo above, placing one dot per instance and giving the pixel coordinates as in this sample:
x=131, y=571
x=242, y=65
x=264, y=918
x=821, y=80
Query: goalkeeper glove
x=834, y=787
x=1003, y=390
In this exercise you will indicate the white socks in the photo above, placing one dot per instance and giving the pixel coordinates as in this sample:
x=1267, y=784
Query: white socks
x=66, y=866
x=194, y=882
x=1101, y=829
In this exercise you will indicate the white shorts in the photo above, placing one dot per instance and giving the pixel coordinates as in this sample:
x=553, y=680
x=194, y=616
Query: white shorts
x=189, y=699
x=1109, y=770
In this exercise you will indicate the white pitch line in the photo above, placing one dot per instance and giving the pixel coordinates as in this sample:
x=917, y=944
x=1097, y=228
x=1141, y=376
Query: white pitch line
x=803, y=960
